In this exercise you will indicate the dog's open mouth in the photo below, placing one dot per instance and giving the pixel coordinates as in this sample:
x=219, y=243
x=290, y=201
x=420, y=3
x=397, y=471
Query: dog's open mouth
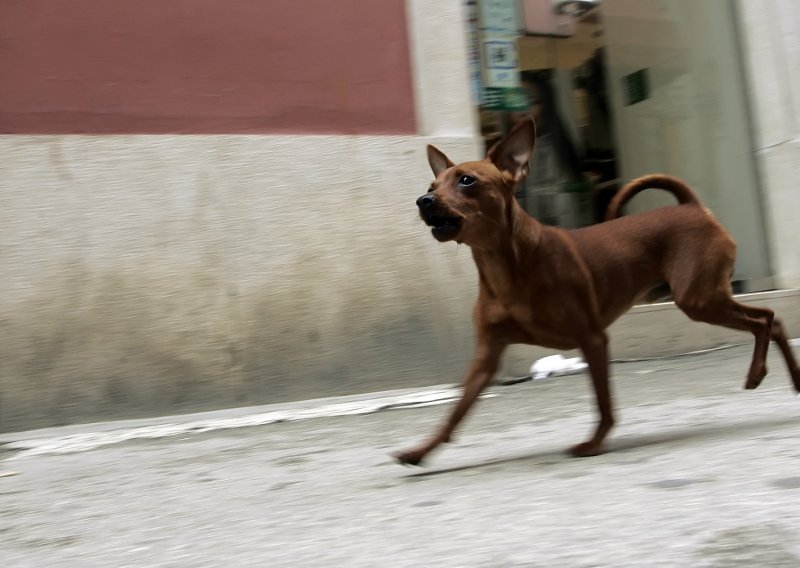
x=444, y=228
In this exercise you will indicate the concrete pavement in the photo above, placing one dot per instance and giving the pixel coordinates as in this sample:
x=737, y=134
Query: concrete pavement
x=701, y=474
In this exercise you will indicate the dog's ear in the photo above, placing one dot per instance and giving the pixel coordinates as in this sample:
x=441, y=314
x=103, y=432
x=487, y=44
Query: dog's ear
x=512, y=154
x=438, y=161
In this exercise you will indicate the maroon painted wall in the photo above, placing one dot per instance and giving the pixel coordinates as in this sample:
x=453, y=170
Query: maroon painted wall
x=205, y=66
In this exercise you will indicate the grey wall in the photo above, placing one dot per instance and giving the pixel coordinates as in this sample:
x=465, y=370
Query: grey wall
x=771, y=33
x=155, y=274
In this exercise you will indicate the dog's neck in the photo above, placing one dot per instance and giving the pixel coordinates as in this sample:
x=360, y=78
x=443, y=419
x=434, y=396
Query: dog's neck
x=498, y=261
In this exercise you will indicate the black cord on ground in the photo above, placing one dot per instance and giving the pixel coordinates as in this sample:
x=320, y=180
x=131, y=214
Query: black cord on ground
x=517, y=380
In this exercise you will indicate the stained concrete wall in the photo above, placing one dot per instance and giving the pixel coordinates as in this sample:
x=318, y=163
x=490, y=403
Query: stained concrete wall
x=155, y=274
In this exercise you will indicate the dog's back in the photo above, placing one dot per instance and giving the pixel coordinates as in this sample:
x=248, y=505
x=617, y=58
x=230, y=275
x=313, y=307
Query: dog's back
x=629, y=256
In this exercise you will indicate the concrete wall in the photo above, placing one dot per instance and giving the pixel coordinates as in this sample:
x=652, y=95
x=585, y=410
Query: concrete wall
x=152, y=274
x=771, y=34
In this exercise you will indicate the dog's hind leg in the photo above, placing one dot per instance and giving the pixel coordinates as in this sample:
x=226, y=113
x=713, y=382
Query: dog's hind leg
x=595, y=351
x=761, y=322
x=701, y=288
x=780, y=338
x=725, y=311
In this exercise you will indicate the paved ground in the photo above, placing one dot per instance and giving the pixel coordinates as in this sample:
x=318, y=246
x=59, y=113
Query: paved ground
x=702, y=474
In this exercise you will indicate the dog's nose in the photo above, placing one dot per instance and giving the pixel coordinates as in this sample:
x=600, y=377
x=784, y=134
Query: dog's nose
x=425, y=201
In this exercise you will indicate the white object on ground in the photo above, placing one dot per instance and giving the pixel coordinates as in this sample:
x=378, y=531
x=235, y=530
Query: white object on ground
x=556, y=366
x=325, y=408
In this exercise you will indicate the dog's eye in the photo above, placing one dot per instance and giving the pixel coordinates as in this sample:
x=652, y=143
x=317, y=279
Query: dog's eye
x=466, y=180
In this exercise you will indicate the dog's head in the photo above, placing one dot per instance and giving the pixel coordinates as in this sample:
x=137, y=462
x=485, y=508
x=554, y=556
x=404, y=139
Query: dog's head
x=469, y=202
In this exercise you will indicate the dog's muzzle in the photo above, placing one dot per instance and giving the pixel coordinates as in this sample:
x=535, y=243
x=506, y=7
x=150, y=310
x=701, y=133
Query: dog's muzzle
x=444, y=226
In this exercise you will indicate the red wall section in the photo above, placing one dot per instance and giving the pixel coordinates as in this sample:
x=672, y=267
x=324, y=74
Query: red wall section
x=204, y=66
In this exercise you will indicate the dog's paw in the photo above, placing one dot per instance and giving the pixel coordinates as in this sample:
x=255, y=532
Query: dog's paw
x=586, y=449
x=753, y=382
x=409, y=457
x=755, y=375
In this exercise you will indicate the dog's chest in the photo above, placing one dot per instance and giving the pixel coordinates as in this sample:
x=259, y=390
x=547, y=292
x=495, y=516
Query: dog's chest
x=528, y=322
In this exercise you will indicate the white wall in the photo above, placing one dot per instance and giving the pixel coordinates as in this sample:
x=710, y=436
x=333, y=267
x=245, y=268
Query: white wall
x=695, y=125
x=771, y=32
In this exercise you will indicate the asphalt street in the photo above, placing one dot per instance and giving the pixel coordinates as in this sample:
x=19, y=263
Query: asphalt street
x=700, y=473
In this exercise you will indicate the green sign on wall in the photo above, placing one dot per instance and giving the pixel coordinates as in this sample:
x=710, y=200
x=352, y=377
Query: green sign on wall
x=513, y=99
x=637, y=87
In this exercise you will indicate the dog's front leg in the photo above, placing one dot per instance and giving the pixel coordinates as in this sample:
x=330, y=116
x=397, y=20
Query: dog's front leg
x=595, y=351
x=481, y=370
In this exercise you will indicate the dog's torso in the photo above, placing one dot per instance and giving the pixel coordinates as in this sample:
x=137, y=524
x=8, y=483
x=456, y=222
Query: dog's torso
x=553, y=284
x=630, y=255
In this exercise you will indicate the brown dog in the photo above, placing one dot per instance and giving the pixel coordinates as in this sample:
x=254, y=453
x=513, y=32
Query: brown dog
x=562, y=289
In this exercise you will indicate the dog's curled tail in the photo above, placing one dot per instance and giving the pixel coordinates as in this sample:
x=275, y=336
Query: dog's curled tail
x=676, y=187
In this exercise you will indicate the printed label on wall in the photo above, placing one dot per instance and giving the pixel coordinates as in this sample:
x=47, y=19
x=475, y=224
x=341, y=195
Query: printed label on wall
x=499, y=30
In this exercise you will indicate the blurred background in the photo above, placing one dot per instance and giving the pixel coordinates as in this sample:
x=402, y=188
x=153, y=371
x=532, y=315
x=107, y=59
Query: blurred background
x=207, y=204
